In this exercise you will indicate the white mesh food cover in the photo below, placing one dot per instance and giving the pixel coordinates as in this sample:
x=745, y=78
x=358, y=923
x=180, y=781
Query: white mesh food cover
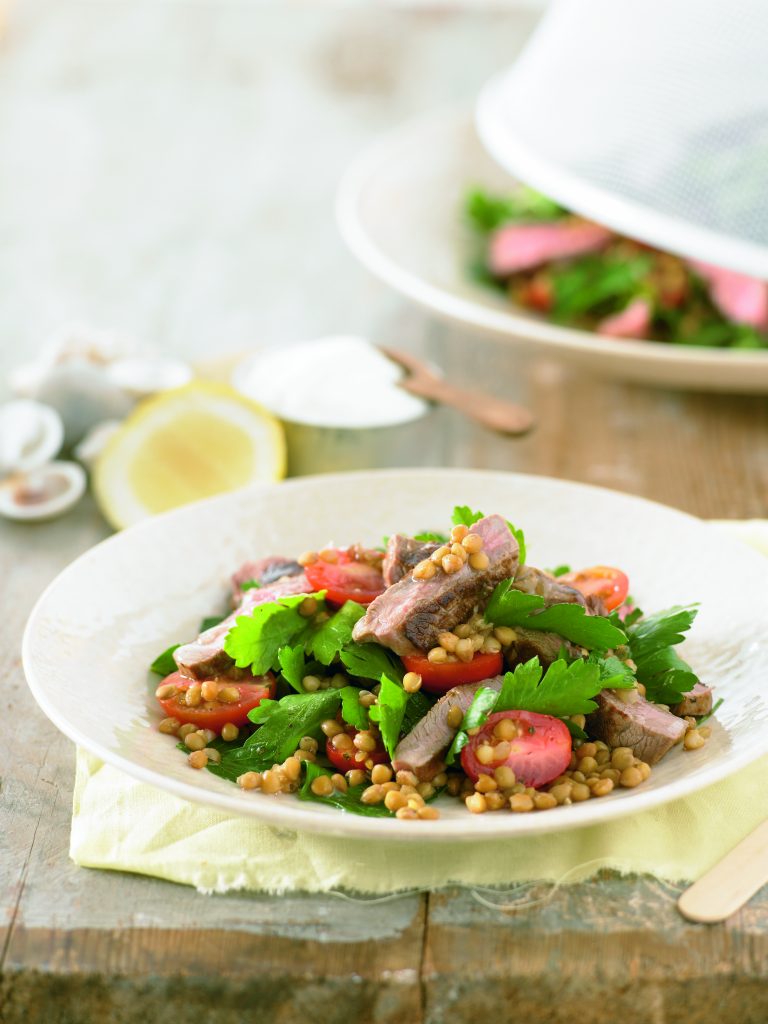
x=650, y=116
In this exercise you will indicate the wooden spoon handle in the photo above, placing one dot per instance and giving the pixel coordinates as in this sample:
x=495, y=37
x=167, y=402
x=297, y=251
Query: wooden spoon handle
x=493, y=413
x=731, y=882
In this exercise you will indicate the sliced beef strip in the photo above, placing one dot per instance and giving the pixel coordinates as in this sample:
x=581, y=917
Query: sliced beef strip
x=409, y=616
x=535, y=643
x=421, y=751
x=532, y=643
x=697, y=701
x=265, y=570
x=402, y=555
x=205, y=657
x=649, y=729
x=554, y=591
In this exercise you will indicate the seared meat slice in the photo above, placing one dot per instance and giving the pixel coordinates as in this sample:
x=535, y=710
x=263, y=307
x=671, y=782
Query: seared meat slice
x=402, y=555
x=518, y=247
x=546, y=646
x=205, y=657
x=266, y=570
x=531, y=643
x=553, y=590
x=410, y=615
x=421, y=750
x=649, y=729
x=697, y=701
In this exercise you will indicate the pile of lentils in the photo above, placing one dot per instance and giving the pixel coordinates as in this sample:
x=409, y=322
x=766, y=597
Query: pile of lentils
x=464, y=547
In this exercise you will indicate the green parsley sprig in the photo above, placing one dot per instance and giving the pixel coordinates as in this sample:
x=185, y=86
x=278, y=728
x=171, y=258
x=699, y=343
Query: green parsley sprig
x=510, y=607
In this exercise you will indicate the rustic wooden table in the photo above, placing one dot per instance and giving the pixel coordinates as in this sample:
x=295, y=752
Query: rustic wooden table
x=88, y=947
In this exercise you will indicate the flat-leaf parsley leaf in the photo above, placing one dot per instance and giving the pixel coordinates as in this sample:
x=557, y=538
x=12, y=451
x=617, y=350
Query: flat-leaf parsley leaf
x=510, y=607
x=652, y=641
x=388, y=712
x=328, y=639
x=255, y=639
x=164, y=664
x=561, y=691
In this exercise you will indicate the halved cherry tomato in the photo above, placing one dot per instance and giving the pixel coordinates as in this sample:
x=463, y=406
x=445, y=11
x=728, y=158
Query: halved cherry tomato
x=601, y=581
x=346, y=579
x=344, y=760
x=215, y=714
x=541, y=751
x=441, y=678
x=538, y=293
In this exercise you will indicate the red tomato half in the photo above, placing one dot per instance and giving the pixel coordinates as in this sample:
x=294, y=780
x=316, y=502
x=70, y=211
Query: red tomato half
x=346, y=579
x=538, y=293
x=344, y=760
x=441, y=678
x=215, y=714
x=600, y=581
x=540, y=753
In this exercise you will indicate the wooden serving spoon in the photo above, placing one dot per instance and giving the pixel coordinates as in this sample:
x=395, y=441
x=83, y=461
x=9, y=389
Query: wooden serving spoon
x=493, y=413
x=733, y=881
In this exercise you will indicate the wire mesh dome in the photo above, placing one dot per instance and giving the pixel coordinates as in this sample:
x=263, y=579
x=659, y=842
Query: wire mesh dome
x=648, y=116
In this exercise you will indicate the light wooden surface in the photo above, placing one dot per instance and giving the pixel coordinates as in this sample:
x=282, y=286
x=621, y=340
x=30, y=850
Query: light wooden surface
x=200, y=224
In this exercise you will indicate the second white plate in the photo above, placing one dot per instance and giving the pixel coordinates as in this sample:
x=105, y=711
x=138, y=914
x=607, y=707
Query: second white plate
x=399, y=209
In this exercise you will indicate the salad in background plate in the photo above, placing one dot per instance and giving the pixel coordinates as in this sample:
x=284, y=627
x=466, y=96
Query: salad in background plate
x=581, y=274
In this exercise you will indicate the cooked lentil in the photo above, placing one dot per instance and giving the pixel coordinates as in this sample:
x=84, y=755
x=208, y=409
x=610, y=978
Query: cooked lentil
x=455, y=717
x=321, y=786
x=412, y=682
x=249, y=780
x=198, y=759
x=521, y=803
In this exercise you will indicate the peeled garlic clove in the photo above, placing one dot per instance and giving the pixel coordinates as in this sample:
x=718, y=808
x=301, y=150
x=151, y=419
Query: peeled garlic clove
x=83, y=396
x=44, y=493
x=143, y=376
x=30, y=435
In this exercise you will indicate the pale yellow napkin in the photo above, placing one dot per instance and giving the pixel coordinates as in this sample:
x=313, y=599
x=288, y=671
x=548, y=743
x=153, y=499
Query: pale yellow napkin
x=126, y=825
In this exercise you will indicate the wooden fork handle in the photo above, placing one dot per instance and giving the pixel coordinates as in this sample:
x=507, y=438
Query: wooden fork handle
x=734, y=880
x=493, y=413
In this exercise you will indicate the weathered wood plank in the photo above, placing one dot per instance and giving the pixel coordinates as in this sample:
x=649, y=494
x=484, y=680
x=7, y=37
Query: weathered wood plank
x=612, y=949
x=137, y=973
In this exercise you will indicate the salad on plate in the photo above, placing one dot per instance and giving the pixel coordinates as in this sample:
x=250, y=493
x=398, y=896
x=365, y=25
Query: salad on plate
x=581, y=274
x=375, y=680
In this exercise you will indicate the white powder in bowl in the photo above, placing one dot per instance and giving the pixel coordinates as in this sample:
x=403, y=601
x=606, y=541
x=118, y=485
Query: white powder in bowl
x=339, y=381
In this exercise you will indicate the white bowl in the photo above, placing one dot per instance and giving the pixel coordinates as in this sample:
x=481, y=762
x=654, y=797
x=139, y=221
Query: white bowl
x=399, y=210
x=97, y=627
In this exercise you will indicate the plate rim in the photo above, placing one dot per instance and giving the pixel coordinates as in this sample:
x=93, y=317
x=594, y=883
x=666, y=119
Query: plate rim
x=500, y=324
x=291, y=813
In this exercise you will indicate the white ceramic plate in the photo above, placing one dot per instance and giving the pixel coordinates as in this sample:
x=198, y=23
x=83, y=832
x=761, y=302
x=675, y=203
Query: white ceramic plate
x=399, y=209
x=98, y=626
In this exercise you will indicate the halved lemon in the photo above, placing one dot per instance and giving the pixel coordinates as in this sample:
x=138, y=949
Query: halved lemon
x=185, y=444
